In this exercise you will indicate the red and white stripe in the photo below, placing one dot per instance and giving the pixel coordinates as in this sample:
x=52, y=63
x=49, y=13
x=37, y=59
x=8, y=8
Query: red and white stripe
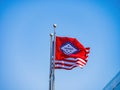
x=70, y=63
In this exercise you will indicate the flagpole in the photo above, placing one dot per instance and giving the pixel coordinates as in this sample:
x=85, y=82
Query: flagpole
x=53, y=83
x=50, y=74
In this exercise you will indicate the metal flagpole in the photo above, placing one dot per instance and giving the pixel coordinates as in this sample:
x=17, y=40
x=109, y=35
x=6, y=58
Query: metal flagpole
x=52, y=60
x=50, y=75
x=53, y=83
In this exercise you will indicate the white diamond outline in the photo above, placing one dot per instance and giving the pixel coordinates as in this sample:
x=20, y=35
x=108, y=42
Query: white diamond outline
x=73, y=46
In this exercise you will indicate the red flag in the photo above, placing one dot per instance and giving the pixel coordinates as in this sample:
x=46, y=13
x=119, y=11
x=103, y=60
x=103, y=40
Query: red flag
x=70, y=53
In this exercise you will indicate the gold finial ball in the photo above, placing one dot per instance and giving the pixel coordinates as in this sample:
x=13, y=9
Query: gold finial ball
x=54, y=25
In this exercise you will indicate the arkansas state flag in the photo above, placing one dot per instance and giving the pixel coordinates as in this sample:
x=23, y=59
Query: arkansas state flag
x=70, y=53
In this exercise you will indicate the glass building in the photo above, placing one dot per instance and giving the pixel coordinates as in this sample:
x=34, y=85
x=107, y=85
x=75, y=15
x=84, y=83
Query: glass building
x=114, y=84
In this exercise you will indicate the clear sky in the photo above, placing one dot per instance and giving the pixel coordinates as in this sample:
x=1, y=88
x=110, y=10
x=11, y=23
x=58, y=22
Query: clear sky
x=25, y=26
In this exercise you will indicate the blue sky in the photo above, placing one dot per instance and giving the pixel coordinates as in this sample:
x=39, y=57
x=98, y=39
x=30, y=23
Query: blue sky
x=25, y=26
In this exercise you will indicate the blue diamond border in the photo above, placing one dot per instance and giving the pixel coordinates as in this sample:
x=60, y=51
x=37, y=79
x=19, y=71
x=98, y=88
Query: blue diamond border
x=71, y=45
